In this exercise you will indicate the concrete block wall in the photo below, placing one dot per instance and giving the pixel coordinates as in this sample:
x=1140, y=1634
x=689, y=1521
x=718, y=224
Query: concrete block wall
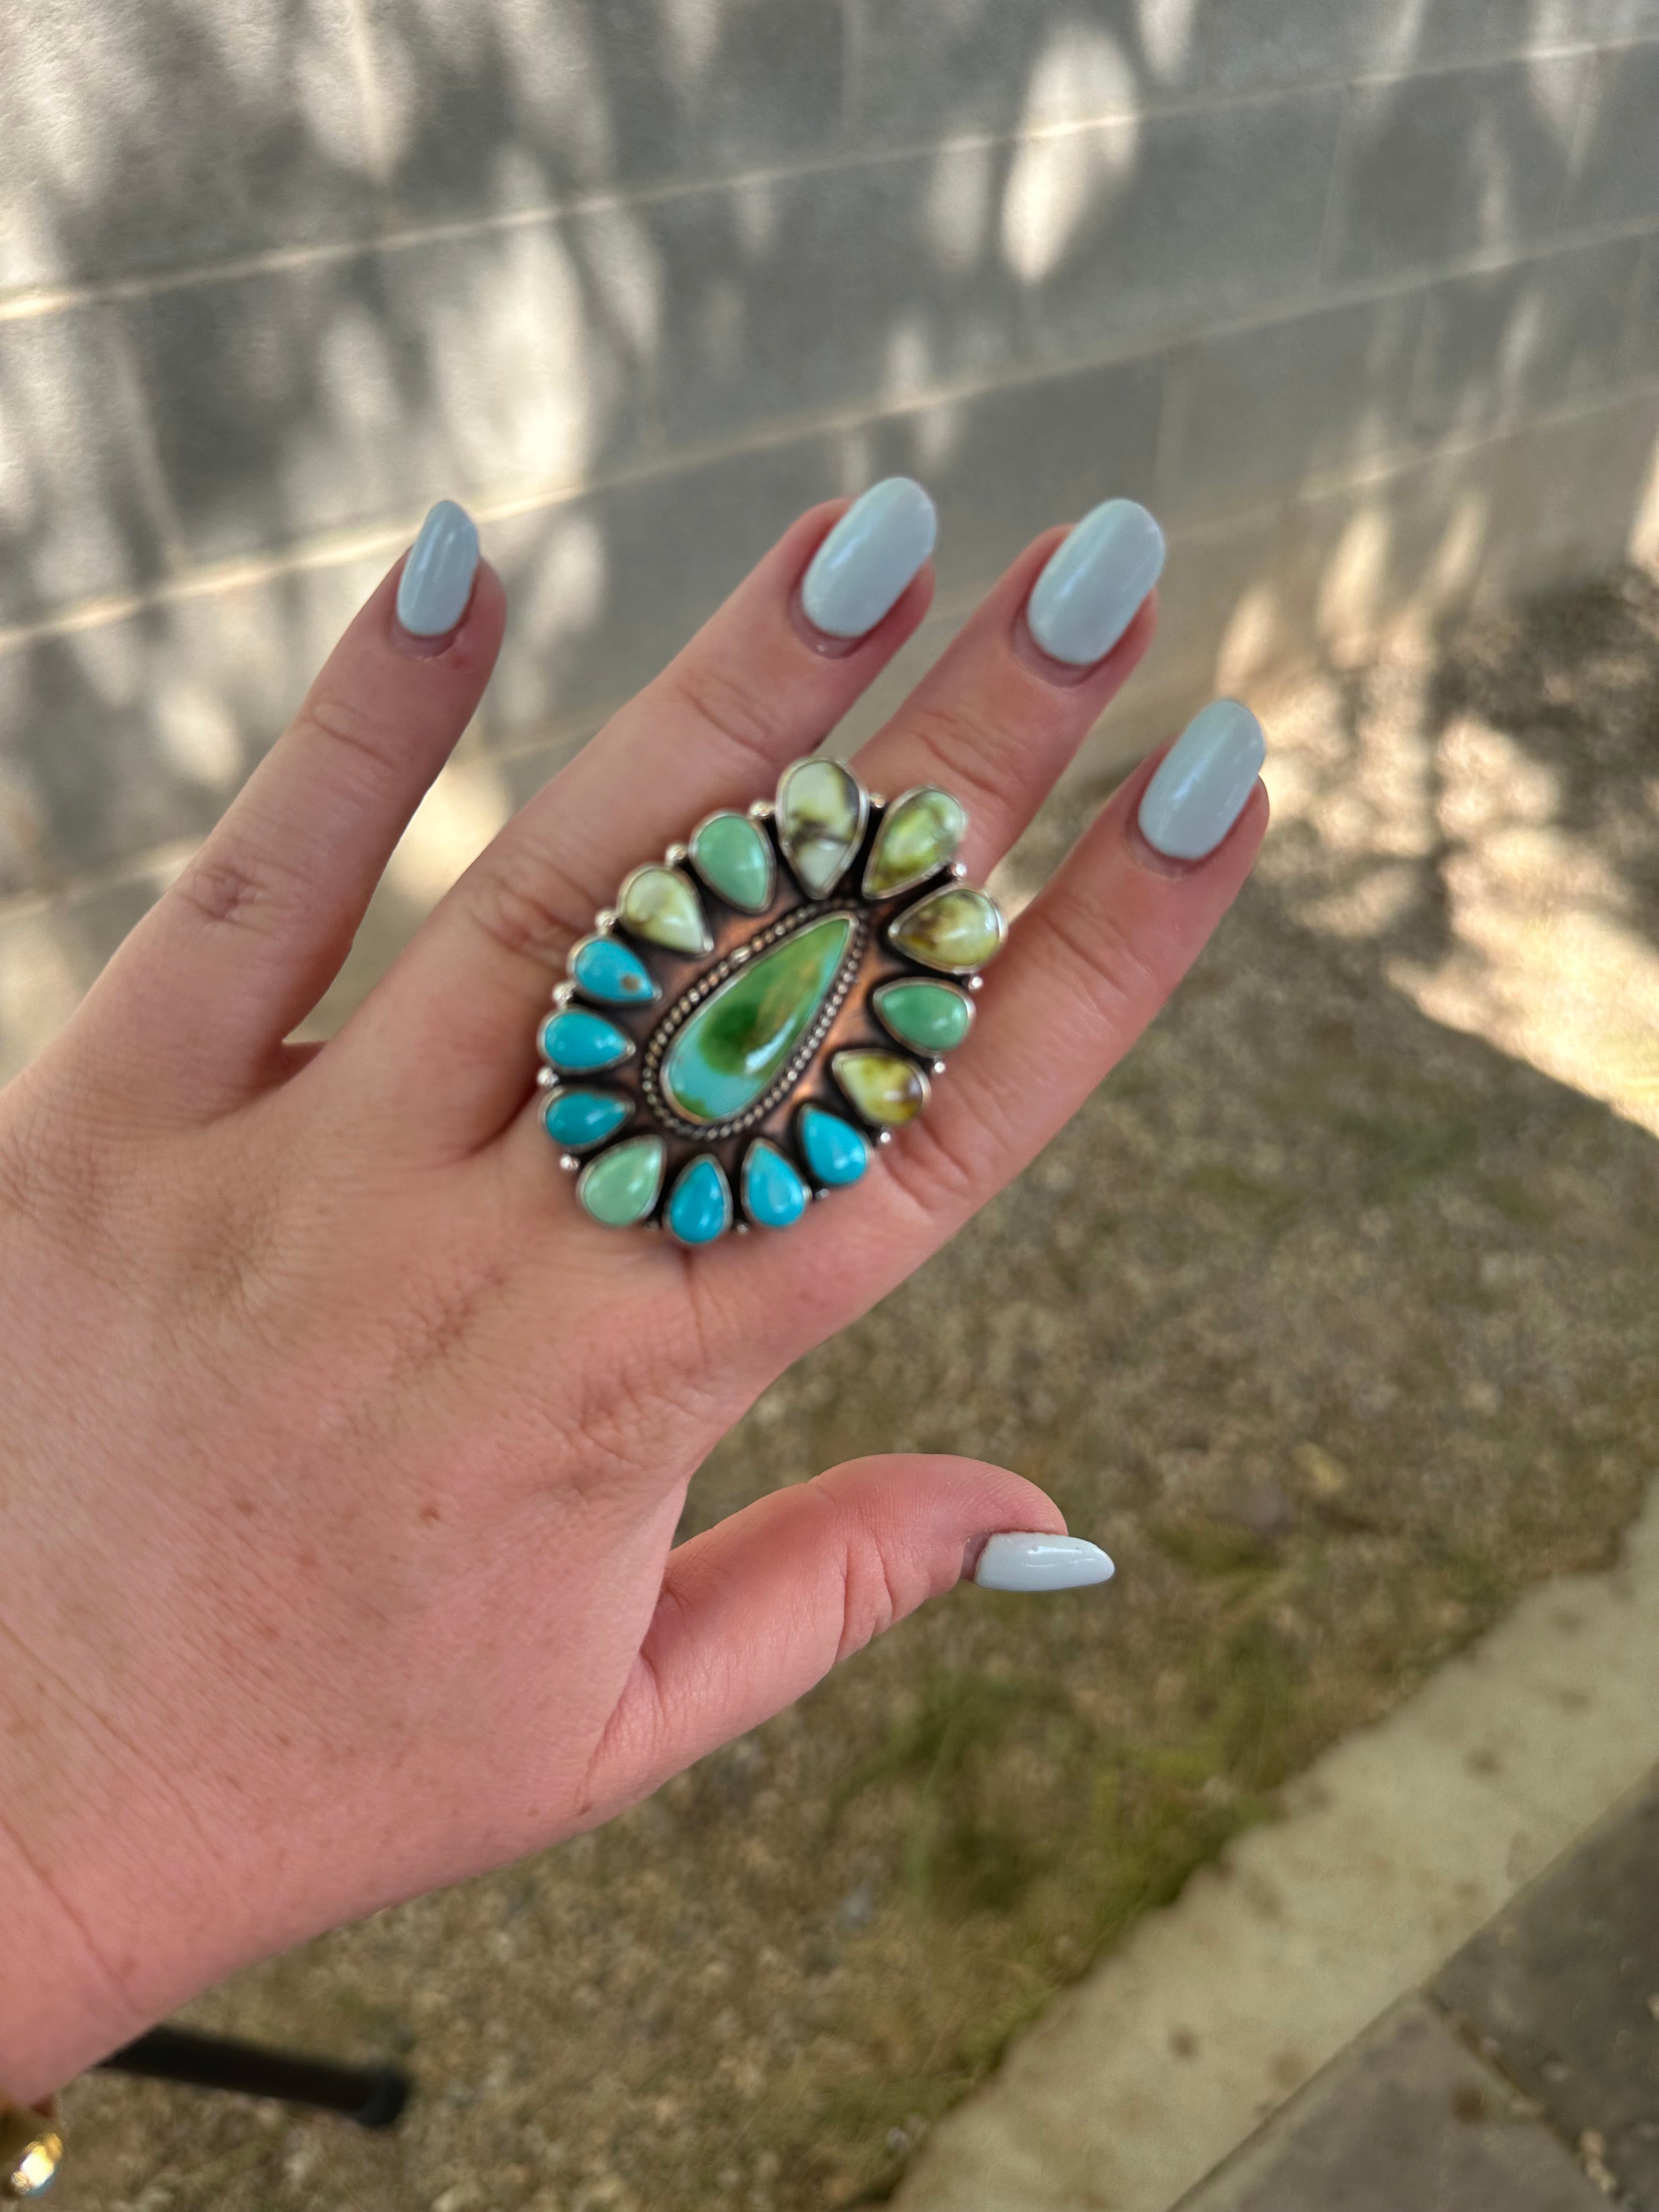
x=1361, y=295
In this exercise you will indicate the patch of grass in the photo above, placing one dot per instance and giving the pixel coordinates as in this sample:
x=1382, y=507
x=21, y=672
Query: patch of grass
x=961, y=1850
x=1399, y=1156
x=1212, y=1549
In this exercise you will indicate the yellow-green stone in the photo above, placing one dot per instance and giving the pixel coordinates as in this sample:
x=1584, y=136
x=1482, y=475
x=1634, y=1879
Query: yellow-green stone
x=920, y=832
x=820, y=816
x=739, y=1041
x=932, y=1017
x=886, y=1088
x=621, y=1186
x=662, y=906
x=734, y=859
x=955, y=929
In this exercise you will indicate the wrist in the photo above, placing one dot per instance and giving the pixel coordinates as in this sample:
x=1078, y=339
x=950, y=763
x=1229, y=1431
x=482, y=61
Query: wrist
x=61, y=2008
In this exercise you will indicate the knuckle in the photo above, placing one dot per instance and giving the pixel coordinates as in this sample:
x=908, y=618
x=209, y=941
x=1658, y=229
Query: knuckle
x=234, y=881
x=968, y=754
x=725, y=702
x=353, y=728
x=936, y=1166
x=871, y=1599
x=1105, y=961
x=527, y=907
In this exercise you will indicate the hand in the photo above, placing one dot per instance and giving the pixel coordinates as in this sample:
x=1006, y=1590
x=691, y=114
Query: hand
x=342, y=1454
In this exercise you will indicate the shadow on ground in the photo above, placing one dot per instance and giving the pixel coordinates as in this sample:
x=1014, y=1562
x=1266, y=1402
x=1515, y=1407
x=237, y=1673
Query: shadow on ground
x=1335, y=1323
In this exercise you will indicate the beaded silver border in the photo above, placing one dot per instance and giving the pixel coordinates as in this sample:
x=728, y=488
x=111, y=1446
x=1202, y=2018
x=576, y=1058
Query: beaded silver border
x=669, y=1024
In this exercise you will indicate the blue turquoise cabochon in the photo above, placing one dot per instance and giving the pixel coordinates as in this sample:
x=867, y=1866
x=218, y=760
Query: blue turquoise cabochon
x=764, y=1007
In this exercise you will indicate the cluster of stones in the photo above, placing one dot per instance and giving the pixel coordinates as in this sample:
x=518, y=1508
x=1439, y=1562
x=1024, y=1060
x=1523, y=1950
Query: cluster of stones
x=733, y=1043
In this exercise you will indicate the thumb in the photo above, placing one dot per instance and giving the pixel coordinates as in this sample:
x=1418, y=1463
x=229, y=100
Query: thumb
x=758, y=1609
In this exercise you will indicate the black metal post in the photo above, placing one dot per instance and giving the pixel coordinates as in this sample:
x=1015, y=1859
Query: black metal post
x=372, y=2096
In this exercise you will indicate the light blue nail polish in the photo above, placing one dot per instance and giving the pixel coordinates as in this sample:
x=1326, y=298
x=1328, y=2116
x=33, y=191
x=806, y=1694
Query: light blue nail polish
x=1203, y=782
x=1040, y=1562
x=437, y=579
x=863, y=565
x=1095, y=582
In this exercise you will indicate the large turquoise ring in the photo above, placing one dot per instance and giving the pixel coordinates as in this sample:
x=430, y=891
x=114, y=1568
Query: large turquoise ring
x=763, y=1004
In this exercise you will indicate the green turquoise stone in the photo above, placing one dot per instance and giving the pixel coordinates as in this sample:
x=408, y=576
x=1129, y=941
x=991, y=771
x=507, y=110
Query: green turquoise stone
x=734, y=859
x=607, y=970
x=820, y=817
x=920, y=832
x=700, y=1203
x=955, y=929
x=833, y=1149
x=774, y=1195
x=886, y=1088
x=621, y=1186
x=662, y=906
x=932, y=1017
x=740, y=1040
x=579, y=1120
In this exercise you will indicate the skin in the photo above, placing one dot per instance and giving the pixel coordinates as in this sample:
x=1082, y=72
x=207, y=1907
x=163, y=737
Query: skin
x=342, y=1455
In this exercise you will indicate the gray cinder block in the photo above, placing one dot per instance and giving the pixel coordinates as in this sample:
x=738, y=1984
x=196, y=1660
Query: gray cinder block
x=516, y=103
x=1616, y=177
x=1170, y=221
x=786, y=297
x=79, y=516
x=1533, y=336
x=325, y=398
x=139, y=136
x=1255, y=410
x=1436, y=167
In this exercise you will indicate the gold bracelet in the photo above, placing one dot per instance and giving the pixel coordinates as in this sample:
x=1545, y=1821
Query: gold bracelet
x=31, y=2149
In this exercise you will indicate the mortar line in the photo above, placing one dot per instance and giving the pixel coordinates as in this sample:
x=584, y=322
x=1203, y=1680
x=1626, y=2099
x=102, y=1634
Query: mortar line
x=949, y=607
x=28, y=302
x=331, y=549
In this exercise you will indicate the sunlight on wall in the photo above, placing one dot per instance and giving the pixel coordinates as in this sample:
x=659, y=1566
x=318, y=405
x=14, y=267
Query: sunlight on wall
x=1166, y=36
x=1058, y=182
x=197, y=732
x=454, y=822
x=1644, y=529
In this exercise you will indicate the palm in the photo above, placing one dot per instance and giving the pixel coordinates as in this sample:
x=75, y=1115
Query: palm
x=385, y=1442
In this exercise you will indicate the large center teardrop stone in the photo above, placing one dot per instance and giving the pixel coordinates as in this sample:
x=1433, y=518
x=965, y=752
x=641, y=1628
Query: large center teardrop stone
x=739, y=1043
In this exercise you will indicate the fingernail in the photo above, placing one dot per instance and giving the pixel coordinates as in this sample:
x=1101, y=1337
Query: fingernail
x=437, y=579
x=1095, y=582
x=1040, y=1562
x=864, y=563
x=1203, y=782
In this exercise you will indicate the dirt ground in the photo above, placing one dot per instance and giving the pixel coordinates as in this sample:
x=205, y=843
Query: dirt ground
x=1333, y=1317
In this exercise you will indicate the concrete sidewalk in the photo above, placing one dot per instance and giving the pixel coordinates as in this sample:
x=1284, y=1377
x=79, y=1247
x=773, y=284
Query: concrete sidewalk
x=1525, y=2078
x=1320, y=1948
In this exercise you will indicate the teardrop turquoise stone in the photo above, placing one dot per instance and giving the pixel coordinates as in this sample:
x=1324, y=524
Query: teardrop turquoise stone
x=580, y=1043
x=932, y=1017
x=734, y=859
x=607, y=970
x=620, y=1187
x=739, y=1041
x=700, y=1207
x=836, y=1151
x=579, y=1120
x=774, y=1195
